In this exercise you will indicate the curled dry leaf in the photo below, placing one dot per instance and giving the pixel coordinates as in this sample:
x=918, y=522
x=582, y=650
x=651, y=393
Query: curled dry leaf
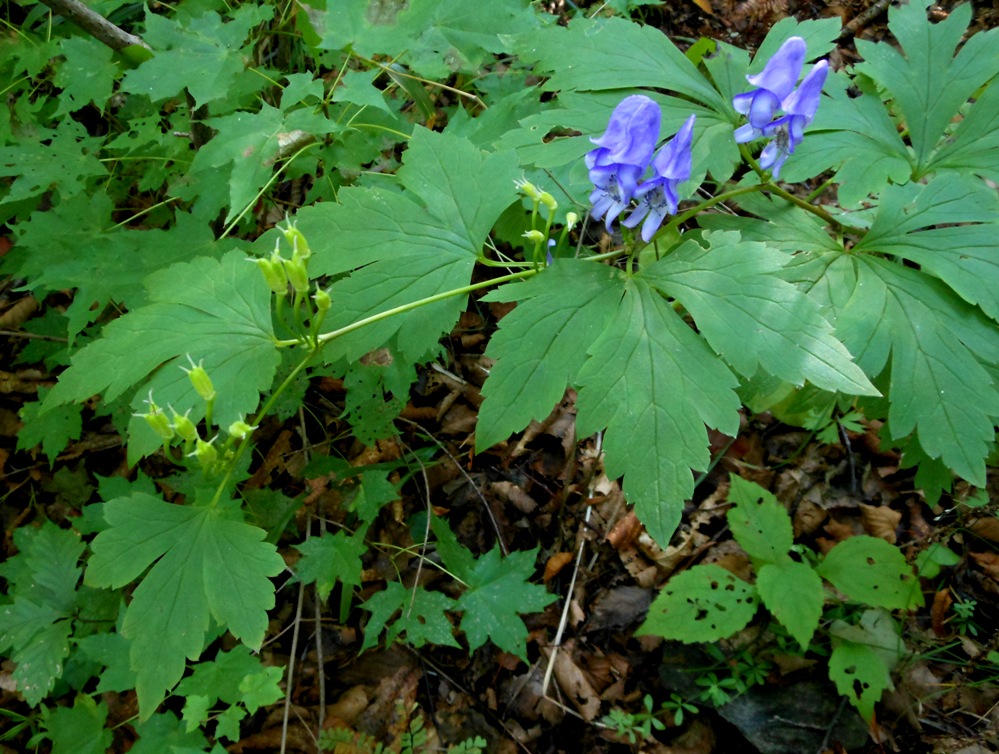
x=880, y=521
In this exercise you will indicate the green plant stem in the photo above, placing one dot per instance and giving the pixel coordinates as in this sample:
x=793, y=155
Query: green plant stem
x=277, y=174
x=708, y=203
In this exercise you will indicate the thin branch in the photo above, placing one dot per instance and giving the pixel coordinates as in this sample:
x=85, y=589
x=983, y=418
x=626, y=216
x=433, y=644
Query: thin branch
x=95, y=24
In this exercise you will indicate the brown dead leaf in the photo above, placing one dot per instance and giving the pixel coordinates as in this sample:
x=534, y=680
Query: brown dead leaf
x=555, y=564
x=19, y=313
x=513, y=493
x=938, y=612
x=625, y=532
x=986, y=527
x=880, y=521
x=989, y=561
x=705, y=6
x=575, y=683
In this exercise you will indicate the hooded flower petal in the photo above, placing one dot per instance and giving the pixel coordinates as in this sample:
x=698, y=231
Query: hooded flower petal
x=805, y=99
x=658, y=197
x=632, y=133
x=774, y=83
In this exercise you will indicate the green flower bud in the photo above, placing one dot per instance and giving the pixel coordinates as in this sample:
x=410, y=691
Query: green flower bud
x=528, y=188
x=201, y=381
x=571, y=218
x=157, y=420
x=323, y=301
x=184, y=427
x=297, y=275
x=548, y=200
x=299, y=246
x=535, y=236
x=240, y=429
x=205, y=452
x=274, y=274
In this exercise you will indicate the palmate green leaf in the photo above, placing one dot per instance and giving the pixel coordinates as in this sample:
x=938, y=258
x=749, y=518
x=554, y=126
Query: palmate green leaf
x=940, y=352
x=793, y=592
x=423, y=617
x=64, y=158
x=87, y=75
x=42, y=580
x=752, y=317
x=76, y=245
x=79, y=729
x=247, y=146
x=206, y=566
x=52, y=430
x=217, y=312
x=331, y=558
x=759, y=523
x=614, y=53
x=872, y=571
x=200, y=54
x=409, y=246
x=704, y=603
x=778, y=224
x=928, y=82
x=974, y=145
x=965, y=254
x=497, y=591
x=541, y=344
x=436, y=39
x=654, y=384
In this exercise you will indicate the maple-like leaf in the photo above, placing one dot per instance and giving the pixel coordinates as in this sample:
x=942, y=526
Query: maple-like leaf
x=497, y=591
x=423, y=616
x=206, y=565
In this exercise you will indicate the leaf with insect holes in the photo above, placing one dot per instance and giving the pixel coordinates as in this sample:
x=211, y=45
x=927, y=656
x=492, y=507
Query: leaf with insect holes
x=653, y=383
x=35, y=626
x=423, y=617
x=870, y=570
x=541, y=345
x=925, y=79
x=752, y=317
x=759, y=523
x=192, y=581
x=704, y=603
x=213, y=311
x=497, y=591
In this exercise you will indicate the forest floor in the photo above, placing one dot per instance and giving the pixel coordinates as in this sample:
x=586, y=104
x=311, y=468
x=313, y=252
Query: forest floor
x=542, y=489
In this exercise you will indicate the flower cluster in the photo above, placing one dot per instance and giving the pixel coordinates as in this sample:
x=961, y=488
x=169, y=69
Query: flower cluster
x=776, y=91
x=623, y=155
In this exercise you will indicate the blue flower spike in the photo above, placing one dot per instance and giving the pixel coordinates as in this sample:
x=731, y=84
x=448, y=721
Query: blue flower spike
x=774, y=83
x=657, y=197
x=622, y=155
x=789, y=130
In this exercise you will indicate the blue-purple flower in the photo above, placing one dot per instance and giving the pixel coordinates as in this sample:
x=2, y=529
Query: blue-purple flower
x=789, y=130
x=776, y=92
x=657, y=197
x=773, y=83
x=622, y=155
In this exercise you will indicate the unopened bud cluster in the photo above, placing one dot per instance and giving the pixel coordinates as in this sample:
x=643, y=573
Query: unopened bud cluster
x=545, y=247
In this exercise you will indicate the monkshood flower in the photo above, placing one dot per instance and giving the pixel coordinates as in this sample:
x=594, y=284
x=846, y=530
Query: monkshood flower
x=799, y=108
x=774, y=83
x=622, y=155
x=657, y=197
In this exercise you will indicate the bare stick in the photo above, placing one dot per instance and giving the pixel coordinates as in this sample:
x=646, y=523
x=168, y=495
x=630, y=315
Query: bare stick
x=95, y=24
